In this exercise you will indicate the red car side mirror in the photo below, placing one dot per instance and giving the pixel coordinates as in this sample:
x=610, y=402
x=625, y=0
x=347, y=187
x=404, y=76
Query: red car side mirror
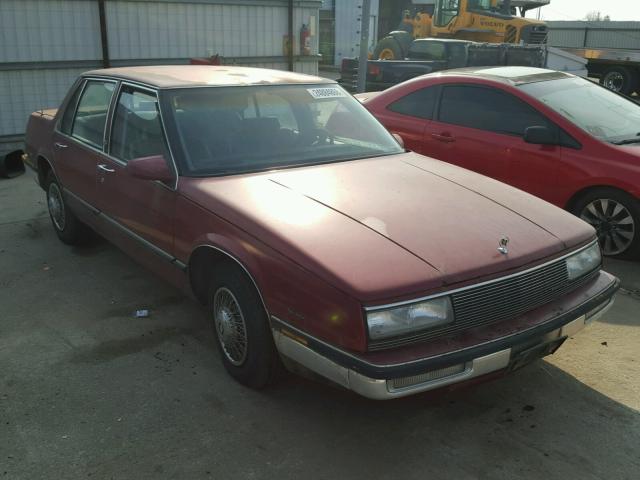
x=150, y=168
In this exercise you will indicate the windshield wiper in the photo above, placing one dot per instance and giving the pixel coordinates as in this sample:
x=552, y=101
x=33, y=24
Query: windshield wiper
x=627, y=141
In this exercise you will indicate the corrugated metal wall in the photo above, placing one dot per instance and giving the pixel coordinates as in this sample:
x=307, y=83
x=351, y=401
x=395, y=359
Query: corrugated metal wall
x=348, y=28
x=572, y=34
x=46, y=44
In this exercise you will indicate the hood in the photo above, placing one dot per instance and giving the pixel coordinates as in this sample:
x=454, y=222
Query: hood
x=392, y=226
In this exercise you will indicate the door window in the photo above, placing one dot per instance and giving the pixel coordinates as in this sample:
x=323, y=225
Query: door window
x=427, y=50
x=91, y=115
x=488, y=109
x=445, y=11
x=417, y=104
x=136, y=131
x=67, y=118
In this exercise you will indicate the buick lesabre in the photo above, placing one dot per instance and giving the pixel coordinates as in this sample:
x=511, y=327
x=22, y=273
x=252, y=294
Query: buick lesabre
x=312, y=237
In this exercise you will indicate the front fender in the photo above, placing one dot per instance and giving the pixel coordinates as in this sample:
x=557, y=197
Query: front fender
x=289, y=291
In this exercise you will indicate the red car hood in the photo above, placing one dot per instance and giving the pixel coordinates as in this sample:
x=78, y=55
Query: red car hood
x=392, y=226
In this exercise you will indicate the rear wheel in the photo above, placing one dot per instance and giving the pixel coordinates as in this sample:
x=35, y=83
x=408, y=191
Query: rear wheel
x=67, y=226
x=616, y=217
x=620, y=79
x=388, y=49
x=242, y=328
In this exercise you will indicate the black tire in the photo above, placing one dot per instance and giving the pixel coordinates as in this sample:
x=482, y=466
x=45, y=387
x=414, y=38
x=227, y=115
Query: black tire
x=616, y=217
x=620, y=79
x=260, y=363
x=388, y=45
x=65, y=223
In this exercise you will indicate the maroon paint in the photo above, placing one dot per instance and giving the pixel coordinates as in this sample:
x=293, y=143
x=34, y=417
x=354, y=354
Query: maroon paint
x=323, y=241
x=553, y=173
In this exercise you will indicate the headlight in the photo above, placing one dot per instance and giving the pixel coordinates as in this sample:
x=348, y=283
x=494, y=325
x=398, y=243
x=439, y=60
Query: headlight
x=584, y=261
x=409, y=318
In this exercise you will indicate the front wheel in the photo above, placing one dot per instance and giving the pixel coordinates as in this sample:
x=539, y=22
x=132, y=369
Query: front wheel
x=616, y=217
x=388, y=49
x=242, y=328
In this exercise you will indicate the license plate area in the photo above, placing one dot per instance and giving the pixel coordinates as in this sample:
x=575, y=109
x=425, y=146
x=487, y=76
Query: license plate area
x=528, y=355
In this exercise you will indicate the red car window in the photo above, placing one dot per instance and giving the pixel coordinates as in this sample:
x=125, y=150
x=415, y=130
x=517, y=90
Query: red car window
x=487, y=109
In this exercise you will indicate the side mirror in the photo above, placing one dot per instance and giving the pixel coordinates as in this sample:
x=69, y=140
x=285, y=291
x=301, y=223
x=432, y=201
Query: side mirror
x=398, y=139
x=540, y=136
x=150, y=168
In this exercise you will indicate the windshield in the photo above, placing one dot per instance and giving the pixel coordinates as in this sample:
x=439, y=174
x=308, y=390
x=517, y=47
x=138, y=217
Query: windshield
x=481, y=5
x=228, y=130
x=600, y=112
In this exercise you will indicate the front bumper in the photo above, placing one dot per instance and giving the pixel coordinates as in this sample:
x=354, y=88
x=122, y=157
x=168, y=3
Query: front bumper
x=383, y=382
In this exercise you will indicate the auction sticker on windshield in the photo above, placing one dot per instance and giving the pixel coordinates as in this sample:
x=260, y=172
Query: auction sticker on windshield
x=326, y=92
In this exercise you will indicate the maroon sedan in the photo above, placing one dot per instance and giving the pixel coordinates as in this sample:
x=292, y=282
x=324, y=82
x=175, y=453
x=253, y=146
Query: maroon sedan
x=309, y=233
x=560, y=137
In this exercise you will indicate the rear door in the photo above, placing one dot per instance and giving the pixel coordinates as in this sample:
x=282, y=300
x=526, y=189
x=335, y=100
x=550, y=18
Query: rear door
x=481, y=128
x=408, y=116
x=143, y=209
x=79, y=139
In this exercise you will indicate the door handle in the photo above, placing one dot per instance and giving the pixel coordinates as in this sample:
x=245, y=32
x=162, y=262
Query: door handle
x=61, y=145
x=443, y=138
x=104, y=168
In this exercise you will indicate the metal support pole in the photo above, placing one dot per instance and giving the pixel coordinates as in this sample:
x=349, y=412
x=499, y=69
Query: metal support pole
x=106, y=62
x=290, y=53
x=364, y=45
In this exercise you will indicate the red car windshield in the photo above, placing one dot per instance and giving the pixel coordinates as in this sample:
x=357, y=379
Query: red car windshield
x=230, y=130
x=597, y=110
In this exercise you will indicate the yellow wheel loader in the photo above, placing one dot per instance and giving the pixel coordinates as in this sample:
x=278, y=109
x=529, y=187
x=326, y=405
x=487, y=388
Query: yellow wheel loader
x=492, y=21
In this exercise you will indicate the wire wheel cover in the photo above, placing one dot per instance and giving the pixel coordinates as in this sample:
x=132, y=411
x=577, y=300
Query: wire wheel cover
x=230, y=326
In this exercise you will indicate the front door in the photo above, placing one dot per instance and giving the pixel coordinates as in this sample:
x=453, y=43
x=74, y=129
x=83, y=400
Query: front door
x=481, y=128
x=143, y=209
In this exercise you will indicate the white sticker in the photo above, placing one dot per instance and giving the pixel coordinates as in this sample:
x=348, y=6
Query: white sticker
x=326, y=92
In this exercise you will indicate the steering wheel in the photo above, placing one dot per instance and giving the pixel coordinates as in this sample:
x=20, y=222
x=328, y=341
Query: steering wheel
x=322, y=137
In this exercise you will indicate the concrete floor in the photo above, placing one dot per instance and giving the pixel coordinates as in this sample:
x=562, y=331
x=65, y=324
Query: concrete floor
x=86, y=390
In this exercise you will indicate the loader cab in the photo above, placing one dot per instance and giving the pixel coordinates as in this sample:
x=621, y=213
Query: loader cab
x=445, y=11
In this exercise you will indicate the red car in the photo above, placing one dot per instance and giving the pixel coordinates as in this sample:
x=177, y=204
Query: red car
x=560, y=137
x=311, y=236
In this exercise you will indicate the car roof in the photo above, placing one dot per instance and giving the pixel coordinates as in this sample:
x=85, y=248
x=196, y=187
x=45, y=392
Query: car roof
x=176, y=76
x=510, y=75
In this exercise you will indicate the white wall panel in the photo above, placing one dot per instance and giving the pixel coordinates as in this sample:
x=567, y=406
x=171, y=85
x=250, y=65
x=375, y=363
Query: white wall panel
x=25, y=91
x=347, y=28
x=44, y=31
x=48, y=30
x=183, y=30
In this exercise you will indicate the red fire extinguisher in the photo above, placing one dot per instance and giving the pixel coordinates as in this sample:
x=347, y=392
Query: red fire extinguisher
x=305, y=40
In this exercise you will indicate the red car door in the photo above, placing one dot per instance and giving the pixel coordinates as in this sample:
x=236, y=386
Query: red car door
x=409, y=115
x=482, y=128
x=142, y=209
x=79, y=139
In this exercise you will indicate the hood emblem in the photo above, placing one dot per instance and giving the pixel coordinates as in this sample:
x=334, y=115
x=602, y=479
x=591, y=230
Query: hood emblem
x=503, y=244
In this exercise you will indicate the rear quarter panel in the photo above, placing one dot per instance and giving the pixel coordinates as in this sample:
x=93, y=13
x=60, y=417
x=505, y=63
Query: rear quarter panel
x=39, y=137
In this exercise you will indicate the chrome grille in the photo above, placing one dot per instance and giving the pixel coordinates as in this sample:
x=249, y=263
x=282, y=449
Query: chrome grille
x=404, y=382
x=496, y=301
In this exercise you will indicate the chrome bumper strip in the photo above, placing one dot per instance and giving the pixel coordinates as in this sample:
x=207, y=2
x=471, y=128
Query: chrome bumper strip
x=294, y=348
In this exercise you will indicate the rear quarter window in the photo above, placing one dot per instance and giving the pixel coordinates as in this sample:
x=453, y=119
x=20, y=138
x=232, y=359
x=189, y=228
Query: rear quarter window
x=418, y=104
